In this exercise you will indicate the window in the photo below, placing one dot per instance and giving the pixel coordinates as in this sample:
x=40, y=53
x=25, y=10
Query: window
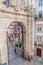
x=39, y=29
x=6, y=2
x=39, y=39
x=40, y=3
x=36, y=16
x=40, y=14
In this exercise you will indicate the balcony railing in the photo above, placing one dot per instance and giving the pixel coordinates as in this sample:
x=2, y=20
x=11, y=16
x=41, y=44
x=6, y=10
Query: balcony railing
x=38, y=17
x=38, y=44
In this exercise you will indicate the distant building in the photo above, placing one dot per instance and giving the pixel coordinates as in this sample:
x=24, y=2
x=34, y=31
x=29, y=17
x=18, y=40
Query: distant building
x=38, y=34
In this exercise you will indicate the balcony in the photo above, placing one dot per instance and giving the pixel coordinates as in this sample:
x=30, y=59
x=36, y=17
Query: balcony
x=38, y=44
x=38, y=18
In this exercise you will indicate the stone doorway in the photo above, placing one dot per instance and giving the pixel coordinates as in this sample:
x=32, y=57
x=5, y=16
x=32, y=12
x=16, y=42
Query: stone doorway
x=15, y=39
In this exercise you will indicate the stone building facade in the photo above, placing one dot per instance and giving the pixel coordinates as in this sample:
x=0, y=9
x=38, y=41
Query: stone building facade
x=19, y=13
x=39, y=28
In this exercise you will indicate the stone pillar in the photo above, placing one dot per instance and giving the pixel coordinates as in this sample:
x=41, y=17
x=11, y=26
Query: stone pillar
x=26, y=44
x=33, y=27
x=3, y=45
x=31, y=36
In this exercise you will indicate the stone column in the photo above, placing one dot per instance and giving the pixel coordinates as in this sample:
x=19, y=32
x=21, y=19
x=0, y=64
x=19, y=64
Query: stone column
x=33, y=27
x=3, y=45
x=31, y=35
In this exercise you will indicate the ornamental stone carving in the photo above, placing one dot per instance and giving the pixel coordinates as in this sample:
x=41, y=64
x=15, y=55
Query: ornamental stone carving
x=18, y=4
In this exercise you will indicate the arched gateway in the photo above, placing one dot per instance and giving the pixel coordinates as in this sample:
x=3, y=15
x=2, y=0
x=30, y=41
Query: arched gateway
x=16, y=38
x=16, y=28
x=22, y=29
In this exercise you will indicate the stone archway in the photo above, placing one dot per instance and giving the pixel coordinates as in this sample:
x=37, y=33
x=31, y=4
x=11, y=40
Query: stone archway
x=23, y=35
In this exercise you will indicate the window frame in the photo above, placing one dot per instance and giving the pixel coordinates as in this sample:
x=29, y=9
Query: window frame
x=40, y=3
x=40, y=14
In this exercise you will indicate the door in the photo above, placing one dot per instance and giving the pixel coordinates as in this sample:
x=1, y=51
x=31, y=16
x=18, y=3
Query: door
x=38, y=52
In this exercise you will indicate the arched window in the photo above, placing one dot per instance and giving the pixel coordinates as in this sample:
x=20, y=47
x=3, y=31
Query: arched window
x=6, y=2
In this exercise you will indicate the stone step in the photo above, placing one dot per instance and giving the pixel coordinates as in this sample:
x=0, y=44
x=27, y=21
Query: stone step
x=39, y=60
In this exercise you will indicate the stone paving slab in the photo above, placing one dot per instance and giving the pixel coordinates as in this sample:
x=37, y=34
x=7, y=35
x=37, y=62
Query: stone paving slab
x=39, y=60
x=18, y=60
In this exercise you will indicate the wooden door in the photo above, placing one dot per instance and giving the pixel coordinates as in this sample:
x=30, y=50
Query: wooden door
x=38, y=52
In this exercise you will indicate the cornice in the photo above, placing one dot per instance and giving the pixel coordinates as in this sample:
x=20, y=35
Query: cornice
x=14, y=13
x=17, y=13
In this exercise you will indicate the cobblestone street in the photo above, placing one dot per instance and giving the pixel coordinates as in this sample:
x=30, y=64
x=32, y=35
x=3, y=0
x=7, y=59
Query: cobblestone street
x=17, y=60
